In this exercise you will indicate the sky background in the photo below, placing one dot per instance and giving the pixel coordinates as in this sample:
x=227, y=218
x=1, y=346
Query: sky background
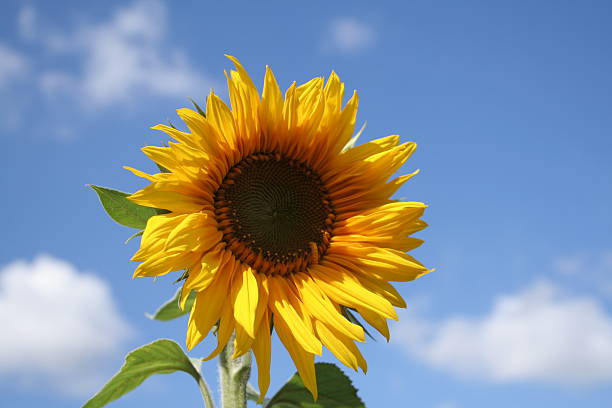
x=510, y=103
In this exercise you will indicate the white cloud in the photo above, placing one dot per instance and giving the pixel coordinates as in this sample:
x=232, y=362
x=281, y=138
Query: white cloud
x=12, y=65
x=27, y=22
x=58, y=325
x=124, y=57
x=349, y=35
x=538, y=335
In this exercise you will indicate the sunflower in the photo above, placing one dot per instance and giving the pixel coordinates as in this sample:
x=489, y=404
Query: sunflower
x=280, y=223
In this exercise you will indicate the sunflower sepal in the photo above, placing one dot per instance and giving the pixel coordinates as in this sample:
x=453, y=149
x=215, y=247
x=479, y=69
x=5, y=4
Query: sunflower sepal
x=252, y=394
x=350, y=316
x=136, y=234
x=195, y=105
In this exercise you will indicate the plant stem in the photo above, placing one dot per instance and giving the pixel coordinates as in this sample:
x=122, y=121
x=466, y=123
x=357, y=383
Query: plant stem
x=205, y=391
x=234, y=375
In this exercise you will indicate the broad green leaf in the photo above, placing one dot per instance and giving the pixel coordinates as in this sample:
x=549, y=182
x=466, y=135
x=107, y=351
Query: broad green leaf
x=335, y=391
x=171, y=310
x=123, y=210
x=160, y=357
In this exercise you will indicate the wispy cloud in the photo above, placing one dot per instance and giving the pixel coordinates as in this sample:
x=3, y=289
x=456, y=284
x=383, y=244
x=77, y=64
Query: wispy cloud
x=15, y=68
x=349, y=35
x=27, y=22
x=539, y=334
x=12, y=65
x=592, y=269
x=446, y=404
x=58, y=325
x=125, y=57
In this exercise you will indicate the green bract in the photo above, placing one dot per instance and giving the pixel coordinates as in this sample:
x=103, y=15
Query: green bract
x=122, y=210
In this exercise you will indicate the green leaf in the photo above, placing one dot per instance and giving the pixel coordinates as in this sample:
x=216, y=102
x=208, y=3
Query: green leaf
x=160, y=357
x=171, y=310
x=123, y=210
x=335, y=391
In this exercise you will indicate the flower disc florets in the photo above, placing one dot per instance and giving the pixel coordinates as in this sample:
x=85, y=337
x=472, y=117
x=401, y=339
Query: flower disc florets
x=275, y=213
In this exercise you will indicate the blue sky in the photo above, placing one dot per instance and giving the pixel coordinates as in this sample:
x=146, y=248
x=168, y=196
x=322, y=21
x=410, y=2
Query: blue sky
x=510, y=103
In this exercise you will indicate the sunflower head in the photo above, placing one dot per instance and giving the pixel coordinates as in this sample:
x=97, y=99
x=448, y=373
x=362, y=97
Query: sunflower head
x=279, y=223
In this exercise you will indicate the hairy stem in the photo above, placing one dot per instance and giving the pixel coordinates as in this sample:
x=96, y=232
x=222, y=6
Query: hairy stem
x=234, y=375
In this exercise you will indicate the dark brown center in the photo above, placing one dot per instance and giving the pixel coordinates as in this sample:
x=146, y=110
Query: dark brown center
x=275, y=213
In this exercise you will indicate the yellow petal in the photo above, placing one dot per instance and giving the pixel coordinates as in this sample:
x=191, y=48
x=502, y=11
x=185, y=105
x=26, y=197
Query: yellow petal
x=183, y=137
x=280, y=304
x=246, y=79
x=319, y=305
x=303, y=360
x=271, y=108
x=375, y=320
x=262, y=350
x=242, y=343
x=201, y=129
x=245, y=295
x=362, y=151
x=290, y=108
x=154, y=237
x=245, y=101
x=344, y=289
x=196, y=232
x=153, y=196
x=334, y=92
x=387, y=264
x=163, y=263
x=226, y=327
x=342, y=347
x=206, y=310
x=345, y=126
x=216, y=261
x=142, y=174
x=221, y=119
